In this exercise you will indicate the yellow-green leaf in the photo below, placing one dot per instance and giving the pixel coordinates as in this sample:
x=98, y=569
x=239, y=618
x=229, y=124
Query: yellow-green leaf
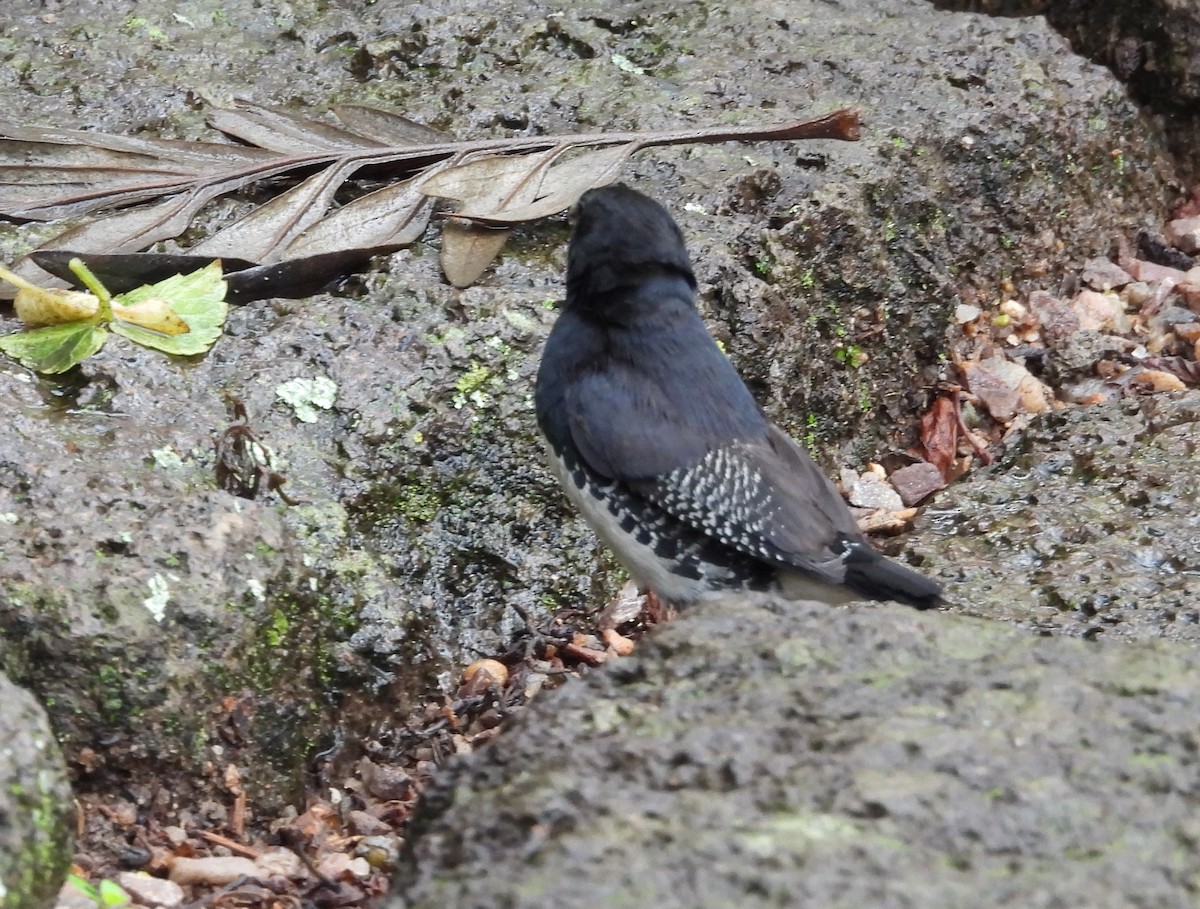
x=198, y=298
x=55, y=348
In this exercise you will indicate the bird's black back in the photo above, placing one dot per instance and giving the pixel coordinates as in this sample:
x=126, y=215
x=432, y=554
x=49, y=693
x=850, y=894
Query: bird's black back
x=631, y=350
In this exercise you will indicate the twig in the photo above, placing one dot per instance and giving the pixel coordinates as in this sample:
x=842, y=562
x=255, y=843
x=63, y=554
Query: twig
x=232, y=845
x=981, y=450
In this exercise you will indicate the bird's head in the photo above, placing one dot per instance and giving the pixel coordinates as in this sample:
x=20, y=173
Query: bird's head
x=622, y=239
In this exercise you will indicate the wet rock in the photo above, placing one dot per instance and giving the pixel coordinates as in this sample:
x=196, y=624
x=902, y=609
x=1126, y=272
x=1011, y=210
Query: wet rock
x=1184, y=233
x=35, y=804
x=1084, y=528
x=170, y=622
x=1151, y=46
x=831, y=757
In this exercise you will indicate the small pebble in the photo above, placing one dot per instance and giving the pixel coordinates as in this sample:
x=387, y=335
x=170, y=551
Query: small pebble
x=336, y=864
x=1158, y=380
x=151, y=891
x=1184, y=234
x=964, y=313
x=917, y=481
x=617, y=642
x=872, y=492
x=380, y=852
x=484, y=674
x=995, y=394
x=1014, y=310
x=1104, y=274
x=278, y=863
x=366, y=824
x=1099, y=312
x=385, y=782
x=1149, y=271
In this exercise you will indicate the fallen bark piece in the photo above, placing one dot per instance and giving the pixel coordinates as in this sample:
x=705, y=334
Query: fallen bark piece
x=211, y=870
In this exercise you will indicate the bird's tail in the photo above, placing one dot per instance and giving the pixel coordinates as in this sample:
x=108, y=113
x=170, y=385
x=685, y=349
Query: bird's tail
x=875, y=577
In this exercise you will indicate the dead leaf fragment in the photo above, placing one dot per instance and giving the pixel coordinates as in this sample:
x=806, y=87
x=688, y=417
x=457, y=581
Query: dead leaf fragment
x=212, y=870
x=154, y=314
x=53, y=306
x=939, y=435
x=1157, y=380
x=468, y=249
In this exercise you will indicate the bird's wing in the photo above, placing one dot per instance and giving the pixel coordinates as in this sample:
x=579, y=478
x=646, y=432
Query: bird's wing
x=766, y=498
x=745, y=484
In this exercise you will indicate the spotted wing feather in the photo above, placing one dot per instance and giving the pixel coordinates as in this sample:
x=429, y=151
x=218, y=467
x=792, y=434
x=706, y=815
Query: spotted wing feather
x=764, y=498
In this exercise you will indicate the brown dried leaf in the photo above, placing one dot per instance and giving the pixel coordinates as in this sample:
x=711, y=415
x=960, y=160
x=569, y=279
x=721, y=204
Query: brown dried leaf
x=262, y=235
x=468, y=249
x=285, y=133
x=382, y=221
x=48, y=174
x=387, y=127
x=512, y=190
x=939, y=435
x=490, y=182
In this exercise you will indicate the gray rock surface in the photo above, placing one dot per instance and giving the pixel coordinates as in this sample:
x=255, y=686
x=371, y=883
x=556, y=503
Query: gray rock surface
x=35, y=804
x=1153, y=46
x=837, y=758
x=1087, y=526
x=880, y=757
x=425, y=511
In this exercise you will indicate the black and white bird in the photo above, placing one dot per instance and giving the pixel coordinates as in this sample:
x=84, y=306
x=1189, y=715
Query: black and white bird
x=660, y=445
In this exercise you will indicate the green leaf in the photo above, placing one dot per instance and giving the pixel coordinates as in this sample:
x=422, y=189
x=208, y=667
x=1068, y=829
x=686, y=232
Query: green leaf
x=198, y=297
x=83, y=886
x=112, y=896
x=55, y=348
